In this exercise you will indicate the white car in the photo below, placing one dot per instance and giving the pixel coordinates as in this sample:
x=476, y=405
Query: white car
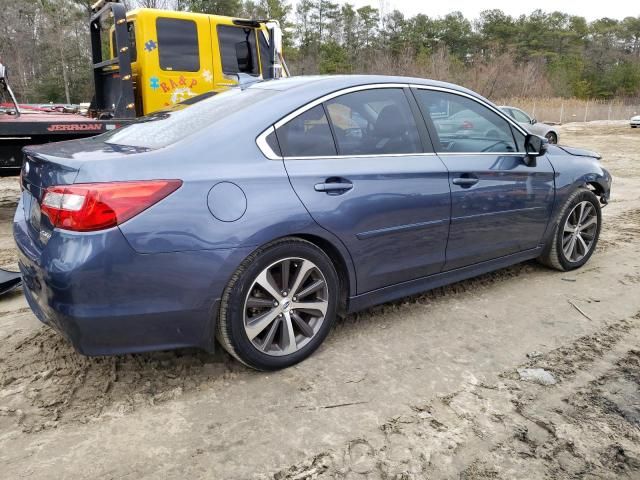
x=635, y=121
x=531, y=124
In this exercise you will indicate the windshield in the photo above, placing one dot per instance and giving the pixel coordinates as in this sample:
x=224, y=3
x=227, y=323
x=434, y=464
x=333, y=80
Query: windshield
x=166, y=127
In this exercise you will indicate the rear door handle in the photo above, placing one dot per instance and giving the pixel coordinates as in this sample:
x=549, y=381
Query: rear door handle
x=465, y=181
x=333, y=187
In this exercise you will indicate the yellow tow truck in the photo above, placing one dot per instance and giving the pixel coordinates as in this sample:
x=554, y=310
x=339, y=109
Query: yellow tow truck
x=145, y=60
x=158, y=58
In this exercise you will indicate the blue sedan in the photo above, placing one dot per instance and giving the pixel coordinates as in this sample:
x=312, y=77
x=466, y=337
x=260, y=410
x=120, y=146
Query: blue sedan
x=258, y=215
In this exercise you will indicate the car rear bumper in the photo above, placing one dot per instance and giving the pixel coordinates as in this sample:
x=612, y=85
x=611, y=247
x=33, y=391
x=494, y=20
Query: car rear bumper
x=107, y=299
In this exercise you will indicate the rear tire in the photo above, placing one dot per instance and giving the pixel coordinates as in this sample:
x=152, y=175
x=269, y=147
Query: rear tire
x=279, y=305
x=576, y=233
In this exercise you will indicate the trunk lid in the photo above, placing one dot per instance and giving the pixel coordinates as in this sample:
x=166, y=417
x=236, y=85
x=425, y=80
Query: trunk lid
x=40, y=171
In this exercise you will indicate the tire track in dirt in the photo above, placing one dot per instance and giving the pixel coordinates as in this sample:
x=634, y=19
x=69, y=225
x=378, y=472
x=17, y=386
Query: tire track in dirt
x=44, y=383
x=584, y=426
x=621, y=228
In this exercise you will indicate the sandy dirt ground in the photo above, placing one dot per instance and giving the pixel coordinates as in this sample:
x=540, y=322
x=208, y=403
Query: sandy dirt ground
x=524, y=373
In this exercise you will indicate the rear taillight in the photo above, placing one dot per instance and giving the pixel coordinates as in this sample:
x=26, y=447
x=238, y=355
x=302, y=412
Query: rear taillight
x=86, y=207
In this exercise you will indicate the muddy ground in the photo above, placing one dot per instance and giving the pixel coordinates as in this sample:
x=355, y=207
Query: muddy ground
x=442, y=385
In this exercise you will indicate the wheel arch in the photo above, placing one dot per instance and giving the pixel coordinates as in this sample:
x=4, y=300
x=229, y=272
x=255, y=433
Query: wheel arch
x=562, y=192
x=345, y=274
x=595, y=187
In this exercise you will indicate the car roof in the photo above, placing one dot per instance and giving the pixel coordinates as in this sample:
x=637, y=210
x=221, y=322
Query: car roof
x=330, y=83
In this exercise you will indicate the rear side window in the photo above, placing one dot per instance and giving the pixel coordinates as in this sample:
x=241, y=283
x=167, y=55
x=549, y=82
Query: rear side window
x=374, y=122
x=462, y=125
x=272, y=141
x=238, y=50
x=520, y=116
x=178, y=45
x=307, y=135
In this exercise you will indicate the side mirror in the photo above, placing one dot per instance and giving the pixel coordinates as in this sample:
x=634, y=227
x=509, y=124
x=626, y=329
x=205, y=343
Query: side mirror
x=3, y=72
x=533, y=121
x=535, y=147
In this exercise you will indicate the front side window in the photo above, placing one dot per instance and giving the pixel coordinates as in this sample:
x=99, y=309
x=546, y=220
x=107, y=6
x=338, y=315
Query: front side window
x=238, y=50
x=374, y=122
x=462, y=125
x=307, y=135
x=178, y=45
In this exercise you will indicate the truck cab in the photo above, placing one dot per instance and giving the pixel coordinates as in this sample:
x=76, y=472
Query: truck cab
x=145, y=60
x=158, y=58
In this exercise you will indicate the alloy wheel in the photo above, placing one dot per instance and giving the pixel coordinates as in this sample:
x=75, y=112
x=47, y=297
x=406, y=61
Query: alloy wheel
x=285, y=306
x=579, y=231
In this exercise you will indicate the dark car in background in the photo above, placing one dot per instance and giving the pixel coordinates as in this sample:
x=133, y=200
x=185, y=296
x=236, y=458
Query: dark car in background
x=259, y=214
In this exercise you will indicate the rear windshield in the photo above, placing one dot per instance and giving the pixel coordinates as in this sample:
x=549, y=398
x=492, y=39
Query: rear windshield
x=166, y=127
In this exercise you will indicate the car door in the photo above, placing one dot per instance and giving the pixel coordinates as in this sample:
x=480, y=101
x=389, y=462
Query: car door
x=499, y=205
x=357, y=161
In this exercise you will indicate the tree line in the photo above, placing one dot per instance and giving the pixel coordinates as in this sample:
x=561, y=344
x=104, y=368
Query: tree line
x=45, y=43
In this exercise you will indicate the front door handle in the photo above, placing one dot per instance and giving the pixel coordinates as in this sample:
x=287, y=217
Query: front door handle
x=465, y=182
x=333, y=187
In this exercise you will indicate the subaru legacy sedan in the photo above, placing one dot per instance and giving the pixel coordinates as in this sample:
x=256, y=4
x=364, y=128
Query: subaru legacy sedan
x=258, y=215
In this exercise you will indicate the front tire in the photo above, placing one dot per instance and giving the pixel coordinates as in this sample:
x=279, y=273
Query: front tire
x=552, y=138
x=576, y=233
x=279, y=305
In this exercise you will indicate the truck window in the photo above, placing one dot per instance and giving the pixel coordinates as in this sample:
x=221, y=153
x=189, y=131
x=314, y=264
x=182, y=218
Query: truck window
x=238, y=50
x=178, y=45
x=132, y=42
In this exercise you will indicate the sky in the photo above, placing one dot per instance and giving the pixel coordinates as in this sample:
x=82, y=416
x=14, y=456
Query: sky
x=471, y=8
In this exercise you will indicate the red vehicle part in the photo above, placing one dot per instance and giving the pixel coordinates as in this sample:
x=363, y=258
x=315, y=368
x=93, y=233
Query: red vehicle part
x=33, y=128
